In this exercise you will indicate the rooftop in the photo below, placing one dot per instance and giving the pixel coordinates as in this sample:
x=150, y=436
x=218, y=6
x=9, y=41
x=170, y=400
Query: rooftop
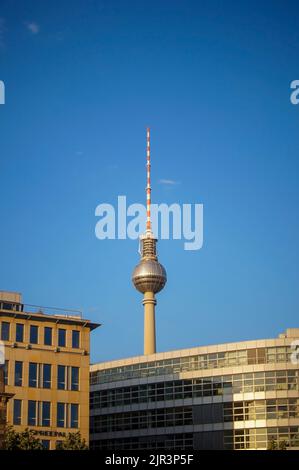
x=282, y=340
x=11, y=304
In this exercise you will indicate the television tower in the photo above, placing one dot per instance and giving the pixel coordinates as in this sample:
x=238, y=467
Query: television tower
x=149, y=276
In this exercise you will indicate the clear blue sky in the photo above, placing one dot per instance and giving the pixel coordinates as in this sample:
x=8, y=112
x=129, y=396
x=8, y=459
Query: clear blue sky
x=212, y=79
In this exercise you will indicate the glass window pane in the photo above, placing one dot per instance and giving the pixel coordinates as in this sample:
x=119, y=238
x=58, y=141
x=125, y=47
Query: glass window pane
x=75, y=339
x=74, y=416
x=47, y=376
x=33, y=334
x=32, y=413
x=75, y=378
x=18, y=373
x=6, y=365
x=60, y=415
x=5, y=328
x=61, y=378
x=61, y=337
x=17, y=411
x=20, y=332
x=48, y=336
x=46, y=444
x=46, y=411
x=32, y=374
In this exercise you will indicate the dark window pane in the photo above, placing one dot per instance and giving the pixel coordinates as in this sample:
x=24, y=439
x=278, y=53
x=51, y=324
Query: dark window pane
x=48, y=336
x=74, y=416
x=5, y=327
x=32, y=374
x=45, y=444
x=75, y=378
x=32, y=413
x=47, y=376
x=20, y=332
x=7, y=306
x=61, y=337
x=61, y=378
x=33, y=334
x=17, y=411
x=60, y=415
x=46, y=410
x=18, y=373
x=75, y=339
x=6, y=372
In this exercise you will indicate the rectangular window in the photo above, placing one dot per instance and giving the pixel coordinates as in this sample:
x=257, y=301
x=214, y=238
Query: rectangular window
x=6, y=365
x=32, y=415
x=7, y=306
x=46, y=375
x=46, y=413
x=19, y=332
x=61, y=337
x=18, y=373
x=48, y=336
x=58, y=445
x=61, y=378
x=32, y=374
x=5, y=328
x=75, y=339
x=45, y=444
x=74, y=416
x=75, y=378
x=33, y=334
x=60, y=415
x=17, y=411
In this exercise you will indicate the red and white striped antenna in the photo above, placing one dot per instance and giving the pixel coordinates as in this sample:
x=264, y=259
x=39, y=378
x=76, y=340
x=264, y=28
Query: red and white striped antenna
x=148, y=185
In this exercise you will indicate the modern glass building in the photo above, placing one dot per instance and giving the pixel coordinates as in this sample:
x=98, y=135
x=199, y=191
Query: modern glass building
x=241, y=395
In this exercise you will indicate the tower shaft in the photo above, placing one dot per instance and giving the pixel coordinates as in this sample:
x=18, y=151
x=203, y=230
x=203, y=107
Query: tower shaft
x=149, y=302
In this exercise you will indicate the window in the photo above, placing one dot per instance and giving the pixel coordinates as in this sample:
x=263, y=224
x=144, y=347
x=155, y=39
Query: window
x=61, y=337
x=60, y=415
x=7, y=306
x=18, y=373
x=33, y=334
x=58, y=445
x=33, y=374
x=75, y=378
x=45, y=444
x=32, y=415
x=39, y=375
x=5, y=327
x=61, y=385
x=46, y=412
x=17, y=411
x=46, y=375
x=6, y=365
x=48, y=336
x=20, y=332
x=75, y=339
x=67, y=378
x=74, y=415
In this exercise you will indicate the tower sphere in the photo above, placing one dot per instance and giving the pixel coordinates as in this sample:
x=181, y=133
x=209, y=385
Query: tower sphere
x=149, y=276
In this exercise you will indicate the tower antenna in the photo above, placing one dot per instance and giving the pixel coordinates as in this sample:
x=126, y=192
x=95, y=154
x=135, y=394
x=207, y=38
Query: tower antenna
x=148, y=184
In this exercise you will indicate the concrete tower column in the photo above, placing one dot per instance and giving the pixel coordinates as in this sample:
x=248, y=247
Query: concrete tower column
x=149, y=302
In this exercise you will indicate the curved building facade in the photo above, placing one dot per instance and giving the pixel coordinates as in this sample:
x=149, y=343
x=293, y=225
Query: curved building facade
x=241, y=395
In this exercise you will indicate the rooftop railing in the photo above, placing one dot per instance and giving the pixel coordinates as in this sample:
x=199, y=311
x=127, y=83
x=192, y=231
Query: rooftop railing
x=41, y=310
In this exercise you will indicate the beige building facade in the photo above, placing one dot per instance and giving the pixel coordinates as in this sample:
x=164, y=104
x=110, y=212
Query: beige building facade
x=237, y=396
x=4, y=397
x=47, y=358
